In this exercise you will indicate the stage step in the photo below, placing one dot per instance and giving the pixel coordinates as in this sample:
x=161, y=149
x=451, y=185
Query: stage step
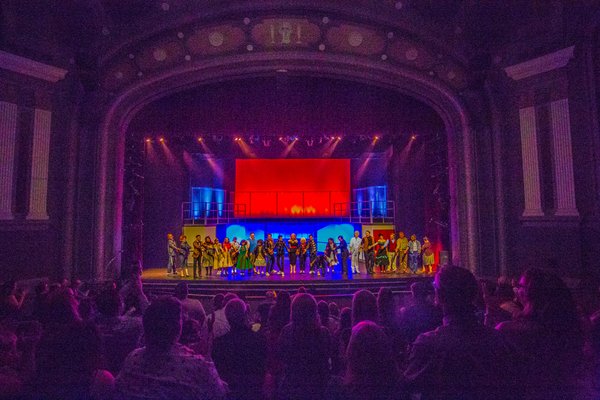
x=256, y=289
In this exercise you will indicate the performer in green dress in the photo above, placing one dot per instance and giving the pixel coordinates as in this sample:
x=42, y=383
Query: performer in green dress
x=381, y=258
x=243, y=262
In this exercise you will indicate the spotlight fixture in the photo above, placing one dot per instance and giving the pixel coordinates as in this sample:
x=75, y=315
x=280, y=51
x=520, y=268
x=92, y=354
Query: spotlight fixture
x=376, y=138
x=413, y=137
x=339, y=138
x=280, y=138
x=161, y=139
x=148, y=140
x=199, y=139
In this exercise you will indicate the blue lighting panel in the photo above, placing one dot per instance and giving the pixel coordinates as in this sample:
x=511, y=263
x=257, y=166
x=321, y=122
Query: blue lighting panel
x=207, y=201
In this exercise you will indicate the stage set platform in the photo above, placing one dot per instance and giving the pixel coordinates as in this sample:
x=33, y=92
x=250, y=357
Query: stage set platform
x=254, y=287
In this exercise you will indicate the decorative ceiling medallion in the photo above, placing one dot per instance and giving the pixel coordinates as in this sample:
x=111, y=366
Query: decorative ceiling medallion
x=355, y=39
x=411, y=54
x=159, y=54
x=119, y=74
x=216, y=39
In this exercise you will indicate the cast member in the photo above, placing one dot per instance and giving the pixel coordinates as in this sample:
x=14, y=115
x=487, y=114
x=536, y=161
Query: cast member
x=235, y=250
x=319, y=264
x=196, y=255
x=219, y=258
x=172, y=252
x=208, y=255
x=184, y=253
x=428, y=256
x=381, y=258
x=302, y=254
x=392, y=249
x=260, y=258
x=367, y=247
x=403, y=252
x=344, y=253
x=280, y=253
x=292, y=249
x=355, y=249
x=414, y=249
x=228, y=262
x=331, y=255
x=270, y=254
x=243, y=263
x=251, y=246
x=312, y=253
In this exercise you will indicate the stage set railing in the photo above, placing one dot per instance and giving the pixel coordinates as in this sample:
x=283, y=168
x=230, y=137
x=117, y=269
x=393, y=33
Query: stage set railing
x=213, y=213
x=366, y=212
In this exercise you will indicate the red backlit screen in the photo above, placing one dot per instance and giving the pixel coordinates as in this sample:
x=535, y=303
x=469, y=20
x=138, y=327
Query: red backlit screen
x=291, y=187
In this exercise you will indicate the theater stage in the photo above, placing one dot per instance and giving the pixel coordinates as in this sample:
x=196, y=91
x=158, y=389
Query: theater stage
x=156, y=281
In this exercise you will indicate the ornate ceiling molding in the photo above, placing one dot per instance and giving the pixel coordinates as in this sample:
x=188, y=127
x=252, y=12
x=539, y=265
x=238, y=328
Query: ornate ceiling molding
x=201, y=42
x=539, y=65
x=35, y=69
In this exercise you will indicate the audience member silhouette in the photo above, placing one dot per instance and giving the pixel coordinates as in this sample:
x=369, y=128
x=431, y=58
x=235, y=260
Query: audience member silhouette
x=164, y=369
x=241, y=355
x=461, y=359
x=326, y=321
x=371, y=370
x=305, y=349
x=548, y=336
x=121, y=334
x=68, y=364
x=192, y=308
x=422, y=315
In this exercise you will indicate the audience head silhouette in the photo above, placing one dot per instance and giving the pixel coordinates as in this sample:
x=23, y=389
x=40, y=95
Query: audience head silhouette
x=364, y=307
x=456, y=290
x=162, y=323
x=304, y=311
x=235, y=312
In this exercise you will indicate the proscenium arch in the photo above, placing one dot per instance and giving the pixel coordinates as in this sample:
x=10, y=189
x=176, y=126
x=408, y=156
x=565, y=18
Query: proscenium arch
x=108, y=212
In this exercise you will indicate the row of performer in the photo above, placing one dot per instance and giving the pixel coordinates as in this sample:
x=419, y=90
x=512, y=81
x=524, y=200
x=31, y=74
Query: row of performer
x=266, y=257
